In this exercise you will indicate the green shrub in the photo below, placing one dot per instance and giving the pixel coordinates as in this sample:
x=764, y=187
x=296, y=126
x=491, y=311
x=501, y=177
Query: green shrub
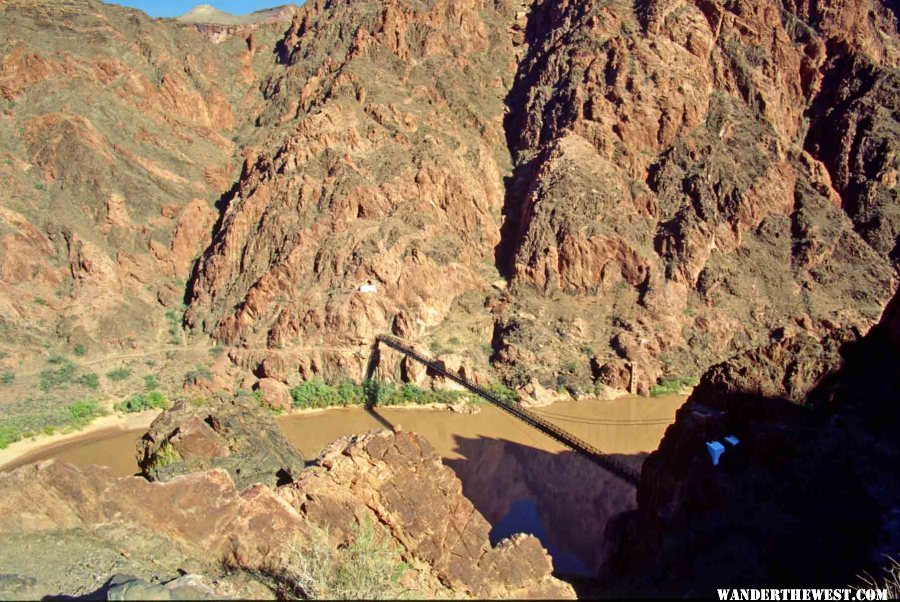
x=390, y=394
x=154, y=400
x=9, y=434
x=79, y=350
x=217, y=350
x=39, y=301
x=502, y=392
x=673, y=385
x=195, y=376
x=119, y=374
x=57, y=378
x=165, y=455
x=350, y=394
x=175, y=321
x=82, y=412
x=314, y=393
x=56, y=359
x=29, y=418
x=90, y=380
x=39, y=186
x=378, y=393
x=7, y=377
x=151, y=382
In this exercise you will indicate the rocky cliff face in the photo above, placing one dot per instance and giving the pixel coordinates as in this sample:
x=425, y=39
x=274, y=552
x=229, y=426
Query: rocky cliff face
x=669, y=192
x=562, y=189
x=668, y=164
x=815, y=469
x=82, y=526
x=384, y=166
x=117, y=140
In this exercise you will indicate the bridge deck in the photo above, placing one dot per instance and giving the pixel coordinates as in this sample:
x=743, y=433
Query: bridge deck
x=574, y=443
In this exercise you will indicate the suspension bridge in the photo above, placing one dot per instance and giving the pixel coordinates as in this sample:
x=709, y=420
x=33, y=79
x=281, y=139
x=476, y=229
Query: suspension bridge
x=615, y=467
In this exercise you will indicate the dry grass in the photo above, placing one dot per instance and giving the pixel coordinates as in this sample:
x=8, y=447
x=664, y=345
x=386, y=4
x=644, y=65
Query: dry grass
x=368, y=568
x=889, y=580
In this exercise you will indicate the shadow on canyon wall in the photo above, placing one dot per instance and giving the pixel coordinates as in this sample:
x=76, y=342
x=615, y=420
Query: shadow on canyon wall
x=809, y=498
x=562, y=498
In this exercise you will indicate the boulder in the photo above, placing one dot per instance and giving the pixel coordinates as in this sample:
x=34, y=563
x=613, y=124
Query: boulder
x=232, y=434
x=275, y=394
x=615, y=374
x=534, y=394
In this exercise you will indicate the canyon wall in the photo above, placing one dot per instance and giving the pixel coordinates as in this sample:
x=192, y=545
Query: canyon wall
x=557, y=191
x=655, y=184
x=807, y=498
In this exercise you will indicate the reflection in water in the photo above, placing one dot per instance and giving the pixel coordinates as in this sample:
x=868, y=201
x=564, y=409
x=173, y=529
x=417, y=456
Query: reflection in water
x=520, y=480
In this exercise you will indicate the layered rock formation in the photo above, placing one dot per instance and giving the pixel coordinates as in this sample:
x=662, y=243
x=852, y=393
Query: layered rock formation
x=815, y=469
x=219, y=26
x=81, y=526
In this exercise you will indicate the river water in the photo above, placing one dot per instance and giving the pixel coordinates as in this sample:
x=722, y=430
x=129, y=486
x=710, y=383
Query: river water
x=519, y=479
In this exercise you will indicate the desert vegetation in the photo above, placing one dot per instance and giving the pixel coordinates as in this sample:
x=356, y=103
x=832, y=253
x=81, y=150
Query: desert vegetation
x=317, y=394
x=888, y=580
x=152, y=400
x=368, y=568
x=47, y=419
x=673, y=385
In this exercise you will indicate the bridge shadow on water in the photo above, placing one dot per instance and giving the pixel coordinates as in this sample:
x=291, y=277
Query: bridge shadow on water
x=563, y=499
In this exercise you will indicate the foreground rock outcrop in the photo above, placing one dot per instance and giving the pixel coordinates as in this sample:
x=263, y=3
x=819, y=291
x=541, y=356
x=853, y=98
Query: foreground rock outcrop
x=815, y=469
x=82, y=526
x=234, y=435
x=399, y=480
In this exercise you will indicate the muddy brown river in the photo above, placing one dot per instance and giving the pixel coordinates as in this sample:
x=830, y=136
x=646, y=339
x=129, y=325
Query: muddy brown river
x=519, y=479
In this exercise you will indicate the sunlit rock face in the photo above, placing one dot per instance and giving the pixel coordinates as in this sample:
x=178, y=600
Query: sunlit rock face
x=560, y=189
x=655, y=182
x=78, y=523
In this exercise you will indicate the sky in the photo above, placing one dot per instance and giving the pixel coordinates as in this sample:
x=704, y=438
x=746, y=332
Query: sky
x=173, y=8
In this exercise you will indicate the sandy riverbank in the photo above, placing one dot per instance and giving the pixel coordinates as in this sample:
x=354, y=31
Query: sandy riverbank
x=103, y=426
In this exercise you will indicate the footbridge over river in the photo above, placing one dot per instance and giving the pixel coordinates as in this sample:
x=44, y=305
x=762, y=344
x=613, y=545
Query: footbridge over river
x=625, y=473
